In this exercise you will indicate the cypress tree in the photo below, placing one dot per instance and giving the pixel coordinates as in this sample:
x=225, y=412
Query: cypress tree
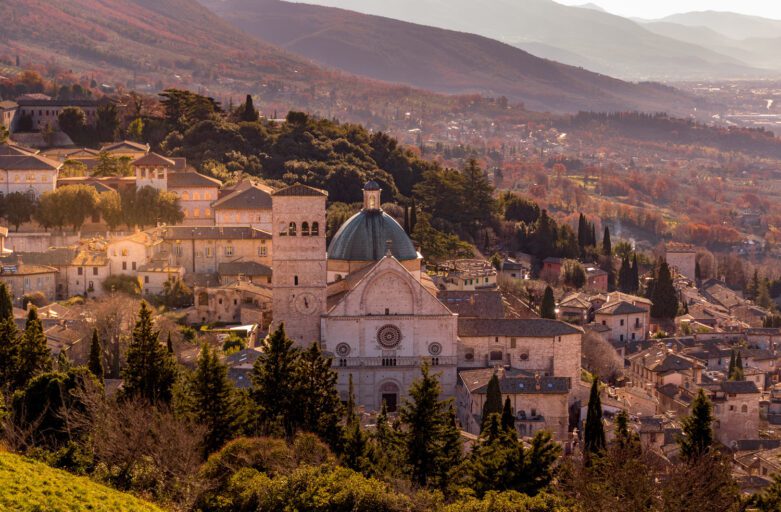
x=593, y=241
x=450, y=452
x=9, y=354
x=548, y=306
x=493, y=399
x=274, y=382
x=355, y=451
x=624, y=275
x=664, y=297
x=212, y=399
x=752, y=290
x=697, y=436
x=413, y=217
x=6, y=303
x=321, y=408
x=424, y=417
x=95, y=364
x=607, y=247
x=697, y=271
x=508, y=420
x=349, y=412
x=635, y=275
x=150, y=371
x=582, y=235
x=731, y=367
x=169, y=344
x=737, y=371
x=34, y=356
x=248, y=111
x=594, y=431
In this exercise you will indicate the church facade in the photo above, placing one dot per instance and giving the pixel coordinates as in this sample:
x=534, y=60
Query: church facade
x=370, y=305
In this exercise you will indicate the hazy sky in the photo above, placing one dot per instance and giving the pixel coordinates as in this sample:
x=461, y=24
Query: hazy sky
x=661, y=8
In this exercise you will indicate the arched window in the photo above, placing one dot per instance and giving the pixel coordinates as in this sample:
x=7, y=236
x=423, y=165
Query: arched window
x=744, y=408
x=185, y=196
x=315, y=229
x=291, y=230
x=282, y=229
x=304, y=229
x=203, y=299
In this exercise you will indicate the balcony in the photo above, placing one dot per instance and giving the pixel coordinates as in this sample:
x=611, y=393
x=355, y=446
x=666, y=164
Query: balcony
x=393, y=362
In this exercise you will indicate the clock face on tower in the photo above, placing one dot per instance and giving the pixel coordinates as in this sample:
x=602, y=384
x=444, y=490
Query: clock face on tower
x=307, y=303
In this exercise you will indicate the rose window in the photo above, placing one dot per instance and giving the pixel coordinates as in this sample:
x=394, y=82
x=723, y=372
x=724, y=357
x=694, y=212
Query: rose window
x=389, y=336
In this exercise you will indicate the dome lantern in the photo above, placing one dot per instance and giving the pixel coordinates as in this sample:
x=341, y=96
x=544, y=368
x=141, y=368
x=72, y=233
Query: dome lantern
x=371, y=196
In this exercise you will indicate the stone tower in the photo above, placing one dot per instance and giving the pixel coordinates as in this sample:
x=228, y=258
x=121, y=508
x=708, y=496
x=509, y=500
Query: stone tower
x=299, y=261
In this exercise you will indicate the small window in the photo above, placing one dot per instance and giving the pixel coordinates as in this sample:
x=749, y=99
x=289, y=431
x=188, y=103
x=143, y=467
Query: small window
x=744, y=408
x=80, y=271
x=622, y=322
x=291, y=229
x=228, y=250
x=124, y=265
x=315, y=231
x=146, y=279
x=133, y=265
x=513, y=341
x=387, y=311
x=295, y=280
x=305, y=229
x=94, y=271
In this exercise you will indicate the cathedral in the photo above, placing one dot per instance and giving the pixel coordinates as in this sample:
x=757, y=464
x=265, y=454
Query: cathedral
x=368, y=301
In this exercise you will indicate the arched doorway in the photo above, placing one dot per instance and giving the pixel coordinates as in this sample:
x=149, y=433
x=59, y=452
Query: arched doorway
x=389, y=393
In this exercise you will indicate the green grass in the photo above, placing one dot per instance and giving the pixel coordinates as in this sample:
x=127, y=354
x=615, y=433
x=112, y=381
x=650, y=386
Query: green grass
x=29, y=486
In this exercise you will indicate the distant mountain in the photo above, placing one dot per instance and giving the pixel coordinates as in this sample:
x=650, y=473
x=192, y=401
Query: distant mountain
x=605, y=43
x=436, y=59
x=730, y=24
x=591, y=6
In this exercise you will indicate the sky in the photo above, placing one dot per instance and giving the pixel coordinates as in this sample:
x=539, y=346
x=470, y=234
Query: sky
x=660, y=8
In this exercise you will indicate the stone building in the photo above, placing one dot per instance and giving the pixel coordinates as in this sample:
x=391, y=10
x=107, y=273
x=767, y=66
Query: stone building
x=24, y=279
x=681, y=258
x=626, y=321
x=201, y=249
x=26, y=172
x=245, y=205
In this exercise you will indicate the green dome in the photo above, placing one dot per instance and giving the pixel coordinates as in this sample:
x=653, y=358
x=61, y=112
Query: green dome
x=365, y=236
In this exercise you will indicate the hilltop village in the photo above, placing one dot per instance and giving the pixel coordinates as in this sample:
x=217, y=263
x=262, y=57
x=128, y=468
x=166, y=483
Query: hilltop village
x=549, y=325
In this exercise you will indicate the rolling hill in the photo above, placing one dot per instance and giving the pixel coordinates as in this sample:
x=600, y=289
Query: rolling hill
x=182, y=43
x=729, y=24
x=441, y=60
x=607, y=43
x=26, y=485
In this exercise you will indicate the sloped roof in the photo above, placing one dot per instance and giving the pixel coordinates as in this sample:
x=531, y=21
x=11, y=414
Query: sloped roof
x=739, y=387
x=299, y=190
x=248, y=268
x=520, y=328
x=213, y=233
x=153, y=159
x=125, y=144
x=189, y=179
x=620, y=308
x=14, y=150
x=244, y=199
x=513, y=382
x=477, y=304
x=27, y=162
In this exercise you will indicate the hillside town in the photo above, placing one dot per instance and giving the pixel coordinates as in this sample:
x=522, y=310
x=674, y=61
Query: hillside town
x=246, y=258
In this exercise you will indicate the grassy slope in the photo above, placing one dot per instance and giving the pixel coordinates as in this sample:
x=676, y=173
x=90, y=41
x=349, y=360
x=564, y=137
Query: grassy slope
x=26, y=485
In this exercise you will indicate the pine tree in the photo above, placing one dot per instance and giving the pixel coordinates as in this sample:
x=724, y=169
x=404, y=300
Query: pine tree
x=625, y=438
x=607, y=247
x=321, y=407
x=424, y=416
x=274, y=382
x=6, y=303
x=493, y=399
x=664, y=297
x=541, y=458
x=248, y=112
x=212, y=394
x=150, y=371
x=34, y=356
x=450, y=452
x=697, y=436
x=508, y=420
x=594, y=431
x=96, y=357
x=548, y=306
x=355, y=452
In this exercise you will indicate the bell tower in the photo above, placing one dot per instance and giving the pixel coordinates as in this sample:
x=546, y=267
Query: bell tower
x=299, y=261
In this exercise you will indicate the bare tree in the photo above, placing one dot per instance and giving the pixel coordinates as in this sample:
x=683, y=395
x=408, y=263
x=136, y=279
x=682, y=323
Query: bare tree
x=601, y=358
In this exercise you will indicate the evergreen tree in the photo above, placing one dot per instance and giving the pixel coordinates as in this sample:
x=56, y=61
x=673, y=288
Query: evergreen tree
x=541, y=461
x=150, y=371
x=274, y=382
x=508, y=420
x=752, y=290
x=583, y=233
x=763, y=295
x=425, y=416
x=607, y=247
x=33, y=357
x=548, y=306
x=349, y=412
x=248, y=111
x=697, y=271
x=493, y=399
x=737, y=370
x=625, y=275
x=355, y=452
x=731, y=367
x=9, y=354
x=6, y=303
x=664, y=297
x=697, y=436
x=169, y=344
x=594, y=431
x=321, y=408
x=212, y=394
x=635, y=275
x=95, y=364
x=450, y=452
